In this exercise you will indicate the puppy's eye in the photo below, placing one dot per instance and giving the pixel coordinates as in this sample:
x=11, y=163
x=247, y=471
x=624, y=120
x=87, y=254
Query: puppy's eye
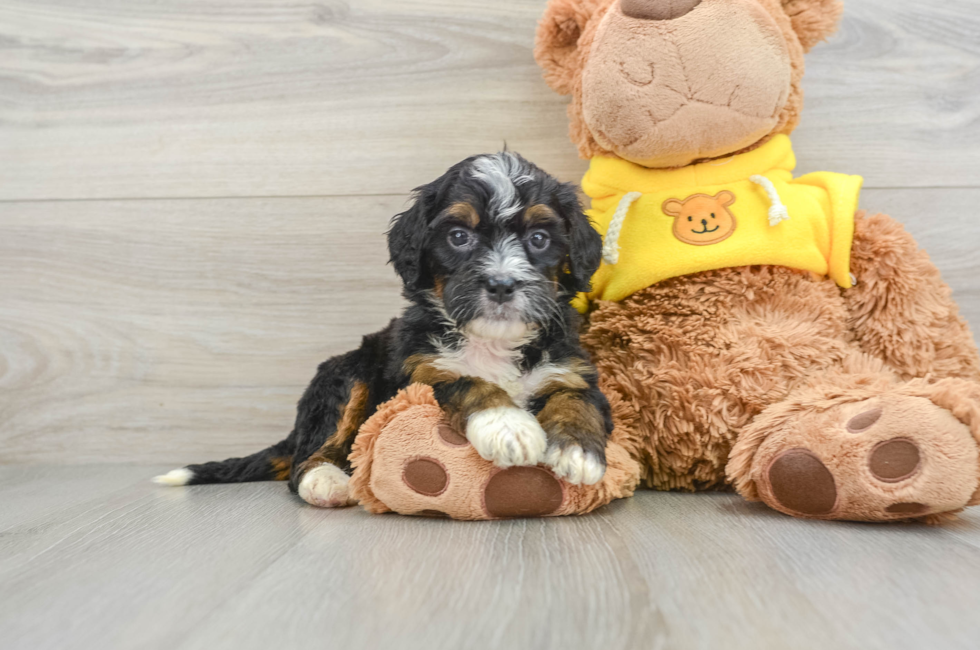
x=539, y=240
x=459, y=238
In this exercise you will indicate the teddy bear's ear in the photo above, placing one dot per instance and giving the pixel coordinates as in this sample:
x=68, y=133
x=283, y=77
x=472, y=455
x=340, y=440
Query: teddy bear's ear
x=556, y=44
x=813, y=20
x=672, y=208
x=726, y=198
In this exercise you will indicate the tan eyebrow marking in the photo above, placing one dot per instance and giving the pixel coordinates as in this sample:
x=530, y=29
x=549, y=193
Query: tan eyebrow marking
x=465, y=212
x=540, y=214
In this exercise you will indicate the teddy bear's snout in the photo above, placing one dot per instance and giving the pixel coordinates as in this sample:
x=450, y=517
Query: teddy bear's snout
x=657, y=9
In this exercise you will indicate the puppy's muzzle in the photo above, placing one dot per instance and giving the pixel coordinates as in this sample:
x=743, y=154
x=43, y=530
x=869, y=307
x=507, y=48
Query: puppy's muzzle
x=500, y=290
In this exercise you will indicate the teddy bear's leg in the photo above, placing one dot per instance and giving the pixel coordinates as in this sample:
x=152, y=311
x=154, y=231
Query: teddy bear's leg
x=865, y=447
x=900, y=310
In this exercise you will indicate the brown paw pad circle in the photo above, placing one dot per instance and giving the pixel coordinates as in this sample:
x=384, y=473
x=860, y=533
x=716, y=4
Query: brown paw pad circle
x=907, y=509
x=451, y=436
x=800, y=482
x=426, y=476
x=435, y=514
x=894, y=460
x=522, y=492
x=863, y=421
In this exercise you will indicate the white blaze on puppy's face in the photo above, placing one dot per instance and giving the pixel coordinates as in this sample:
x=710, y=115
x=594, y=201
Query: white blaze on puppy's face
x=507, y=260
x=501, y=173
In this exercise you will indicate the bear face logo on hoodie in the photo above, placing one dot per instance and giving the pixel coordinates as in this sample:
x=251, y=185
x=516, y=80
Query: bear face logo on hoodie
x=702, y=220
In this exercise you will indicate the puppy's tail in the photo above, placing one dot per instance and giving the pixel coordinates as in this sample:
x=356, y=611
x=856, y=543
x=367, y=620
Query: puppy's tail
x=271, y=464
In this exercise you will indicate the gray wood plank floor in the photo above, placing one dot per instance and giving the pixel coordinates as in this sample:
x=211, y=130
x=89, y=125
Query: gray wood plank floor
x=98, y=557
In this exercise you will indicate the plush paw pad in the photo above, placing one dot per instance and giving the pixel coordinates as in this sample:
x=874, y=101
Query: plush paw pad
x=426, y=476
x=325, y=486
x=522, y=492
x=507, y=436
x=894, y=460
x=893, y=457
x=802, y=483
x=575, y=465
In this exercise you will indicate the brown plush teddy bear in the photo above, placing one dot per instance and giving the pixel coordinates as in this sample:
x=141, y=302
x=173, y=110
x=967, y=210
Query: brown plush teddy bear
x=754, y=329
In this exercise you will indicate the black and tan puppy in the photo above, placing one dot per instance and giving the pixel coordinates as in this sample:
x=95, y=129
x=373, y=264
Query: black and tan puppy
x=490, y=255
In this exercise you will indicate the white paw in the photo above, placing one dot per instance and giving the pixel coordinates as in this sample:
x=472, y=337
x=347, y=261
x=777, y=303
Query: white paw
x=175, y=477
x=507, y=436
x=325, y=486
x=575, y=465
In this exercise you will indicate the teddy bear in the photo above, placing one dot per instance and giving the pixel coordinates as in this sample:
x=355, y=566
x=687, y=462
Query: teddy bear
x=754, y=330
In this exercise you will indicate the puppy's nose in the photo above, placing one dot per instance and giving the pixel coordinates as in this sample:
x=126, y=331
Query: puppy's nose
x=657, y=9
x=501, y=290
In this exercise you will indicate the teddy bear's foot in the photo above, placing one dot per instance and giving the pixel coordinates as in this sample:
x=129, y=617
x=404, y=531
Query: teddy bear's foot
x=890, y=457
x=409, y=459
x=326, y=486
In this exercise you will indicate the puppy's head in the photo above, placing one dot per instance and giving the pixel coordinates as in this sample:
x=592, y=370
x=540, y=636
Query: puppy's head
x=496, y=243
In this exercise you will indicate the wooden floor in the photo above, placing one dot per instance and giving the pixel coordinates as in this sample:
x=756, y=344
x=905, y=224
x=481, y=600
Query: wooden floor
x=96, y=557
x=193, y=198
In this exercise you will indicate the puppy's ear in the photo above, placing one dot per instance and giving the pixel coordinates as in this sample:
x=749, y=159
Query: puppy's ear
x=408, y=234
x=584, y=243
x=556, y=44
x=813, y=20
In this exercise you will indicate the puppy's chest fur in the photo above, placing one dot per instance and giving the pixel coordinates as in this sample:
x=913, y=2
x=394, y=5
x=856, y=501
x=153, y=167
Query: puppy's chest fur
x=498, y=362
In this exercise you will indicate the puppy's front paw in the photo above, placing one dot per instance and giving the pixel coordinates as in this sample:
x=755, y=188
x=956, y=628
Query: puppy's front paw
x=507, y=436
x=325, y=486
x=575, y=465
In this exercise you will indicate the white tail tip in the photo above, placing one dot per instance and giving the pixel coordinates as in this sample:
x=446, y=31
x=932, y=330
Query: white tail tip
x=175, y=478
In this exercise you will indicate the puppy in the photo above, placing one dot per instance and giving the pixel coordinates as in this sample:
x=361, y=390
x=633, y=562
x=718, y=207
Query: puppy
x=490, y=255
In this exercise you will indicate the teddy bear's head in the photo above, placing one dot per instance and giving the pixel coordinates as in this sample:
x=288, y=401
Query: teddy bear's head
x=664, y=83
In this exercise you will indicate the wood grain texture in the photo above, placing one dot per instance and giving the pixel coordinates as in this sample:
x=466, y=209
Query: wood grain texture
x=183, y=331
x=120, y=99
x=249, y=566
x=173, y=330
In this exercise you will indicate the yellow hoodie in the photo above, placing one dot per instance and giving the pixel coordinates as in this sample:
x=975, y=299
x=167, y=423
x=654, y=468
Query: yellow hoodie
x=740, y=211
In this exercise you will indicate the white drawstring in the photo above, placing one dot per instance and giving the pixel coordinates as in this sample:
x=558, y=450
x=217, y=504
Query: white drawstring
x=610, y=249
x=777, y=211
